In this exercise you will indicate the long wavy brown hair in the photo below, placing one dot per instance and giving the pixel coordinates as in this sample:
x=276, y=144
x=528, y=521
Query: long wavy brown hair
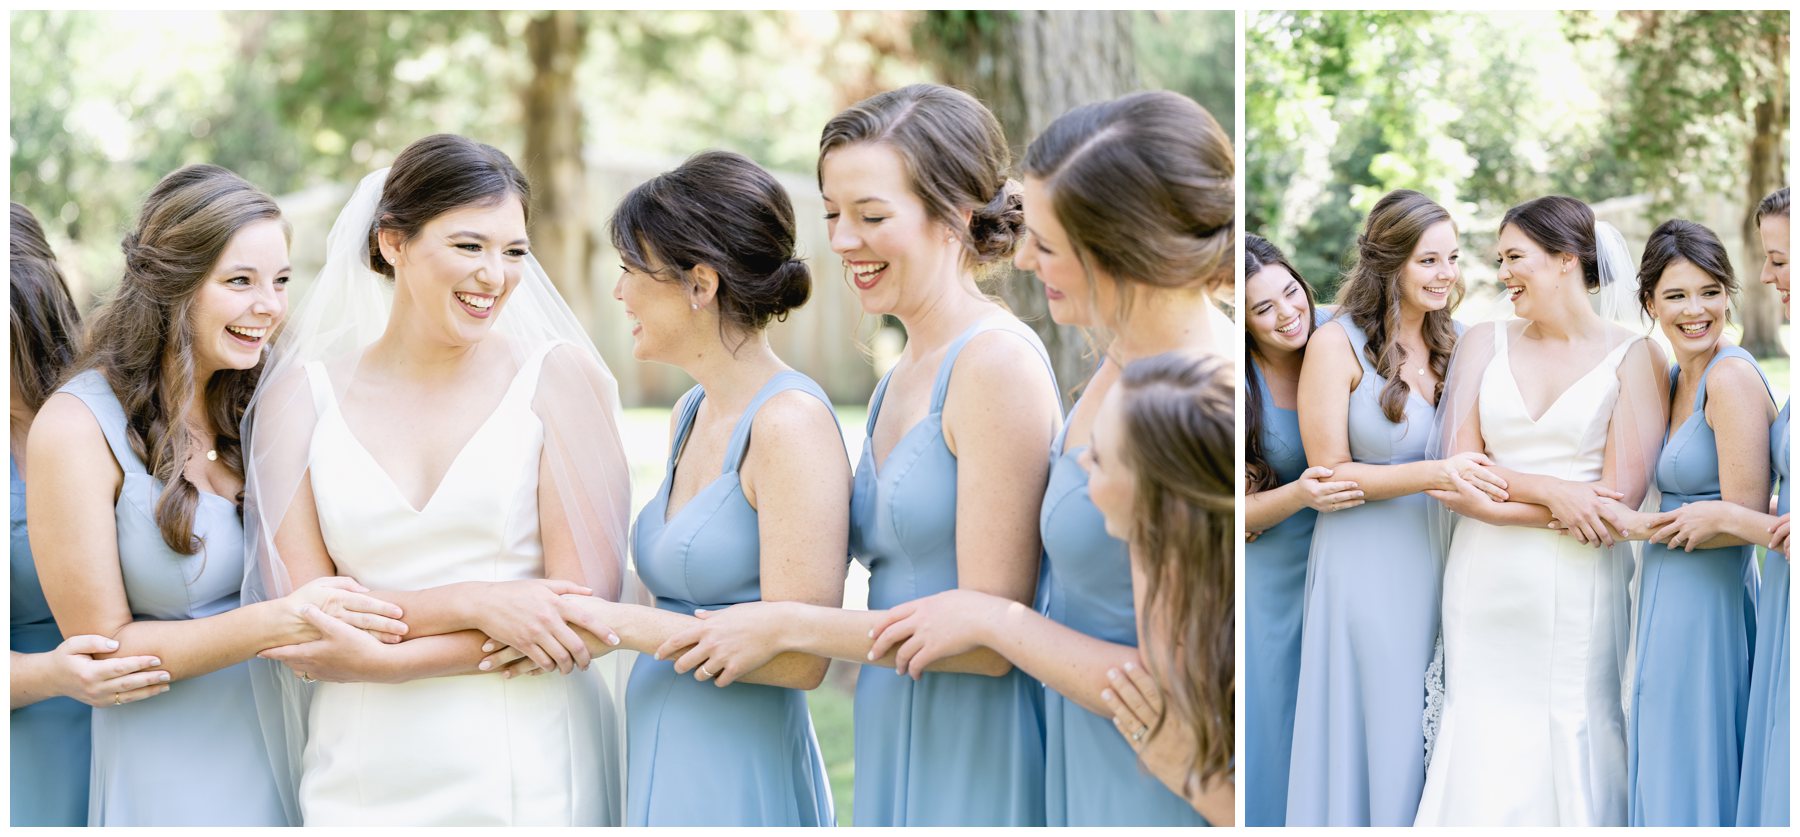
x=1179, y=424
x=142, y=337
x=1371, y=294
x=45, y=324
x=1259, y=253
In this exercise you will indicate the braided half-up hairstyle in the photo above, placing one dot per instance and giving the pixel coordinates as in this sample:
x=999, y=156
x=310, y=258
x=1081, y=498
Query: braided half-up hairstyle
x=1371, y=294
x=1179, y=424
x=142, y=338
x=1260, y=254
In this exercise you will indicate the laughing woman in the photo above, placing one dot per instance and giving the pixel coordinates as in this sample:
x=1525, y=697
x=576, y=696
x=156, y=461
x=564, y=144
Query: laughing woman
x=137, y=534
x=1130, y=208
x=1690, y=690
x=1282, y=499
x=1367, y=401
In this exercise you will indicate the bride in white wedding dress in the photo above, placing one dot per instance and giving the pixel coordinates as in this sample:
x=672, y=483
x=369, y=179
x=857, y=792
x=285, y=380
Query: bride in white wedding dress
x=1536, y=624
x=453, y=446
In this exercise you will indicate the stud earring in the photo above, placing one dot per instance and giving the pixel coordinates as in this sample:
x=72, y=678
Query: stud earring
x=694, y=305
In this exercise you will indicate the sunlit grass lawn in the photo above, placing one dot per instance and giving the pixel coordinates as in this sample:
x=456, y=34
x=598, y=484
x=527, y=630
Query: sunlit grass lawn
x=645, y=433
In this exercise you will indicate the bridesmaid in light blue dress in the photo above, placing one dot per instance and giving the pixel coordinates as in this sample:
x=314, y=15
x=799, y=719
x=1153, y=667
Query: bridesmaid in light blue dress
x=744, y=755
x=164, y=761
x=1764, y=785
x=1275, y=561
x=1763, y=788
x=50, y=737
x=1695, y=617
x=908, y=732
x=1373, y=575
x=714, y=739
x=49, y=733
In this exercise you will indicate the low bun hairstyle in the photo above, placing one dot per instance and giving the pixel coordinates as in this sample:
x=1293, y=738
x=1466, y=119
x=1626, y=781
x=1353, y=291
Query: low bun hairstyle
x=1560, y=224
x=995, y=228
x=721, y=210
x=435, y=175
x=955, y=156
x=1677, y=240
x=1143, y=186
x=142, y=337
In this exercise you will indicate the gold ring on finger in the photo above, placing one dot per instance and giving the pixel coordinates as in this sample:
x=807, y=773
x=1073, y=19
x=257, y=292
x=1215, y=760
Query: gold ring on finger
x=118, y=698
x=1137, y=735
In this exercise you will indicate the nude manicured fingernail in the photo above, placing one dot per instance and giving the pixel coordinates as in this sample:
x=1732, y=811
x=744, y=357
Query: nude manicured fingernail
x=485, y=665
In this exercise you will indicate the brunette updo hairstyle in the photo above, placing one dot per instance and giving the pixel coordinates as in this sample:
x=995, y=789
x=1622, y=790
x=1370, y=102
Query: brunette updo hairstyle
x=1178, y=425
x=142, y=338
x=1143, y=187
x=1560, y=224
x=954, y=154
x=45, y=324
x=435, y=175
x=1677, y=240
x=720, y=210
x=1370, y=295
x=1260, y=254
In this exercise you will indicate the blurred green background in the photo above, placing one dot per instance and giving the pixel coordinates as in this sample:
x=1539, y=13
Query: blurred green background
x=304, y=104
x=1645, y=115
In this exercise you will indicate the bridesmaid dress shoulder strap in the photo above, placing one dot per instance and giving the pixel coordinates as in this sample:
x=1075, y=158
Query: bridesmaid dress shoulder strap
x=875, y=403
x=941, y=386
x=96, y=392
x=781, y=382
x=1359, y=343
x=1728, y=351
x=686, y=409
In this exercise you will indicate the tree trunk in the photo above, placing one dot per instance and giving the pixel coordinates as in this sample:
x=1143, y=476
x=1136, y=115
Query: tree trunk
x=1030, y=67
x=1760, y=304
x=560, y=234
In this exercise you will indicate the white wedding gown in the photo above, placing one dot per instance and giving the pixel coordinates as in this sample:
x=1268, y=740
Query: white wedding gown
x=460, y=750
x=1534, y=633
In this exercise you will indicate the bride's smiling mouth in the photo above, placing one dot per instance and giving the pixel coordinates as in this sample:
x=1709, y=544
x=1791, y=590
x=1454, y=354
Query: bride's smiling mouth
x=1292, y=329
x=480, y=306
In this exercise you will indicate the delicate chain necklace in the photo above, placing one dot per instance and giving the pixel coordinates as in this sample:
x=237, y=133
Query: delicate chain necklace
x=212, y=453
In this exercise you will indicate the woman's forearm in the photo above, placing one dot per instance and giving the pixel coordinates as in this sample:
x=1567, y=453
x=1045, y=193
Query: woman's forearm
x=435, y=611
x=844, y=634
x=192, y=647
x=443, y=655
x=1264, y=510
x=1385, y=482
x=1060, y=657
x=28, y=680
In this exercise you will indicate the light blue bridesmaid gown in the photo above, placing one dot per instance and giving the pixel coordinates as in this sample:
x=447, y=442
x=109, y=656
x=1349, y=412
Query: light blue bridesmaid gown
x=947, y=749
x=193, y=755
x=745, y=754
x=50, y=737
x=1274, y=596
x=1092, y=776
x=1763, y=787
x=1695, y=628
x=1373, y=590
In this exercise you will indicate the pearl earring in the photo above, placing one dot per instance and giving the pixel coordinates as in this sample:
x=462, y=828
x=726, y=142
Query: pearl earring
x=694, y=305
